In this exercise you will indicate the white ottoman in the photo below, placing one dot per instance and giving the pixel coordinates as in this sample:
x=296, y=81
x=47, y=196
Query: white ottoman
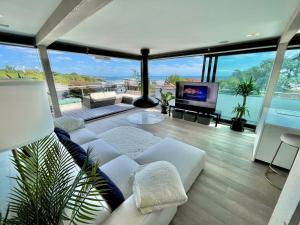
x=188, y=159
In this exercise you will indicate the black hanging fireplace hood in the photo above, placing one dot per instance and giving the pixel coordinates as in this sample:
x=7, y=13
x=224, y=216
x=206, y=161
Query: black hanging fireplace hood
x=145, y=101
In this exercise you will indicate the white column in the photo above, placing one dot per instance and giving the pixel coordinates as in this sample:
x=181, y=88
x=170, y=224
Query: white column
x=49, y=79
x=275, y=74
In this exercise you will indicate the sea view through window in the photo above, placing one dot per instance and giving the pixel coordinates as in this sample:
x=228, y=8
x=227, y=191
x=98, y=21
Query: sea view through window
x=77, y=75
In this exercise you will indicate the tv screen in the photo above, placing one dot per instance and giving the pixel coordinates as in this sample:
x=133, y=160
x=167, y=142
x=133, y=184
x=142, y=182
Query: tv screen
x=197, y=96
x=196, y=93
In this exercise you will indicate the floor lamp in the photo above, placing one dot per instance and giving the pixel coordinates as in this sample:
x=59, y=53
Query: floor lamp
x=25, y=115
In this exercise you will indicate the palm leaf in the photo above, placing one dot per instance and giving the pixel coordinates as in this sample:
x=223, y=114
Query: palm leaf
x=47, y=186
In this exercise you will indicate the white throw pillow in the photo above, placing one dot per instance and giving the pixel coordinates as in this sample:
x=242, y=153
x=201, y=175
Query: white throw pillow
x=68, y=123
x=157, y=186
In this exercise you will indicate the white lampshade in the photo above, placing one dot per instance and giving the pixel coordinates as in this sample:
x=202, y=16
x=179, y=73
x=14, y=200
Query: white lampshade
x=25, y=115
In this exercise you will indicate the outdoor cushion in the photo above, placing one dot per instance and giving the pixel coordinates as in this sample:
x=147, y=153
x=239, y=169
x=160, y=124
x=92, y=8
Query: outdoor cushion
x=101, y=151
x=188, y=160
x=113, y=195
x=101, y=95
x=104, y=99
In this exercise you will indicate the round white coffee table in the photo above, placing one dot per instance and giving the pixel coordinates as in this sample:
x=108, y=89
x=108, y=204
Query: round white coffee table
x=145, y=118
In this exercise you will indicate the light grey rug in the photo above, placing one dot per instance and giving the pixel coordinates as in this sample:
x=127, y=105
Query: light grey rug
x=145, y=117
x=130, y=141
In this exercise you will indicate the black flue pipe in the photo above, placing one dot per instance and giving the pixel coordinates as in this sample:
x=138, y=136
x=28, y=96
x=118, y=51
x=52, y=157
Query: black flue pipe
x=145, y=101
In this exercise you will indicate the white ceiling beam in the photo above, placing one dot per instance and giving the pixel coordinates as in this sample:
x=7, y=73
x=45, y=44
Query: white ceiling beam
x=67, y=15
x=292, y=27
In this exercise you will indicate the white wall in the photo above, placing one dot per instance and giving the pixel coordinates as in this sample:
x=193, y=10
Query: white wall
x=289, y=197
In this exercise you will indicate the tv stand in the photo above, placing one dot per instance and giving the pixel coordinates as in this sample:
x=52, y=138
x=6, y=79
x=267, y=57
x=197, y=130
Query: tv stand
x=216, y=114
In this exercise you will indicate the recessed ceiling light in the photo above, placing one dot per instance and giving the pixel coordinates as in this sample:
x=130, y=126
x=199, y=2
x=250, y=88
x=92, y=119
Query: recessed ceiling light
x=253, y=34
x=4, y=25
x=1, y=15
x=223, y=42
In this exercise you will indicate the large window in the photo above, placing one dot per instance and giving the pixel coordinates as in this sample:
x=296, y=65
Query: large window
x=78, y=75
x=20, y=63
x=164, y=73
x=287, y=93
x=234, y=68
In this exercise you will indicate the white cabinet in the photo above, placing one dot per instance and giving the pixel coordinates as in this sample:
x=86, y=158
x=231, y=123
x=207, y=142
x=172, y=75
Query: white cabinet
x=273, y=124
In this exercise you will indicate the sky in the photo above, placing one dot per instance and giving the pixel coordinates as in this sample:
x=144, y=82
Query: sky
x=64, y=62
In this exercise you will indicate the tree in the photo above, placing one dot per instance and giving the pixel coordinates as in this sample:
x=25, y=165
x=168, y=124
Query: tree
x=289, y=75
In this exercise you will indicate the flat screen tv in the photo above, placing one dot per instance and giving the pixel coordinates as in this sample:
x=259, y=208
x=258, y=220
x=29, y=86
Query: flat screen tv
x=197, y=96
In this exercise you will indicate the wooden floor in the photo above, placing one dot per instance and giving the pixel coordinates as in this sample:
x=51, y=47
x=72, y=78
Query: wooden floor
x=231, y=190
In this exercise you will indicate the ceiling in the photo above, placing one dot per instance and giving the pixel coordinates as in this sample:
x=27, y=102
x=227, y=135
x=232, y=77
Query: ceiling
x=25, y=16
x=161, y=25
x=171, y=25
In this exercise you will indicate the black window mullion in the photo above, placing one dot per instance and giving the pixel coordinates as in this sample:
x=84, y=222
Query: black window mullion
x=203, y=69
x=215, y=69
x=209, y=69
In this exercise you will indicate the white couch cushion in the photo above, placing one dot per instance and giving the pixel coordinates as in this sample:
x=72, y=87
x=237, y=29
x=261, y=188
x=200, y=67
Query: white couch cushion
x=188, y=159
x=130, y=141
x=128, y=214
x=119, y=171
x=101, y=151
x=82, y=136
x=68, y=123
x=157, y=186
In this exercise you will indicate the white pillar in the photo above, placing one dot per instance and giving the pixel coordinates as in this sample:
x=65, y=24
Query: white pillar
x=49, y=79
x=275, y=74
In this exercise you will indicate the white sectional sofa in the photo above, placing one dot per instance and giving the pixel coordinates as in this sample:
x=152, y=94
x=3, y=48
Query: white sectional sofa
x=188, y=160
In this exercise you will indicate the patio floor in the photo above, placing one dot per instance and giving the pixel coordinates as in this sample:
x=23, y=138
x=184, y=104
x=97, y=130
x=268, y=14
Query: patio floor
x=90, y=114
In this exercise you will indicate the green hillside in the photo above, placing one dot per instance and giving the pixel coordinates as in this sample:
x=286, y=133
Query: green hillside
x=66, y=79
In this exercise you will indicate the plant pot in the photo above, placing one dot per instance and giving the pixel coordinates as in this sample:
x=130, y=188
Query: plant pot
x=238, y=125
x=164, y=109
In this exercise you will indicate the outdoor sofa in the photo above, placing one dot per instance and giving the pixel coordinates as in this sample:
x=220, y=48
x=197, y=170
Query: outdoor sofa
x=99, y=99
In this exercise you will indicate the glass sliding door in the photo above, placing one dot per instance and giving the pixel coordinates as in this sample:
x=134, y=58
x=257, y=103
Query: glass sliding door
x=77, y=76
x=235, y=68
x=163, y=73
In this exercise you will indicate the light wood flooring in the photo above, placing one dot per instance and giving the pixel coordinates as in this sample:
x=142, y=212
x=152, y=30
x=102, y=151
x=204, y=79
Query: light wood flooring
x=231, y=190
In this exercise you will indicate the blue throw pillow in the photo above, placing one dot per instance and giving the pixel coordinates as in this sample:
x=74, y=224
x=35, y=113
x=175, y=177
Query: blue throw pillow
x=61, y=131
x=113, y=195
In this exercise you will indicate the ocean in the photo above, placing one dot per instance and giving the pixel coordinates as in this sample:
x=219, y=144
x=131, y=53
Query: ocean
x=117, y=78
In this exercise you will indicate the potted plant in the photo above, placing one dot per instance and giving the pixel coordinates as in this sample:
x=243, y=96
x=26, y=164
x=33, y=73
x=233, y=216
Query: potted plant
x=48, y=191
x=244, y=88
x=164, y=100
